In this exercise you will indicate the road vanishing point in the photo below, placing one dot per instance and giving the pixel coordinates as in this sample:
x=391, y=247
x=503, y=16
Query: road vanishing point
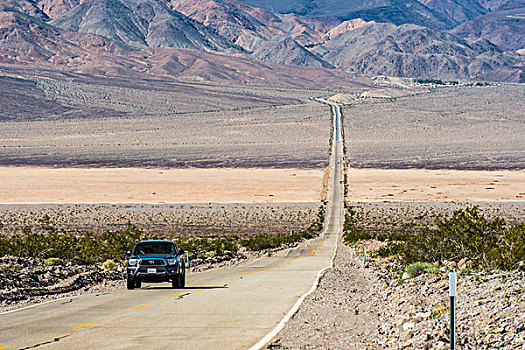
x=242, y=307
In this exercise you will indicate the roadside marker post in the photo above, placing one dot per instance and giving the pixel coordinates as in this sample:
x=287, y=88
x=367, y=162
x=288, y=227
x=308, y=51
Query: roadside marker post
x=188, y=260
x=452, y=294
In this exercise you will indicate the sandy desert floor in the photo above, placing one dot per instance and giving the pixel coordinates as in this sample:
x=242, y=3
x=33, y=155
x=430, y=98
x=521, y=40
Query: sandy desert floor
x=420, y=185
x=195, y=185
x=135, y=185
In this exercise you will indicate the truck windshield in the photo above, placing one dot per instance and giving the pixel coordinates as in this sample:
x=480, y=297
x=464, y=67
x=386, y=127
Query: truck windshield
x=152, y=248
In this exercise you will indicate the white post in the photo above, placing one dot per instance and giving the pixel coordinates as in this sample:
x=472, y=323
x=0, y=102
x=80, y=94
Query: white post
x=452, y=294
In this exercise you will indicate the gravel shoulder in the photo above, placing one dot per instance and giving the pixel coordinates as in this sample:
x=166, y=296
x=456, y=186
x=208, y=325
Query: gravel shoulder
x=358, y=307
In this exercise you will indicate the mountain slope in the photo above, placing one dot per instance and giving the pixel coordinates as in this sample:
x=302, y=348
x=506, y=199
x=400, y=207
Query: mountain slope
x=283, y=50
x=56, y=8
x=24, y=6
x=228, y=20
x=336, y=11
x=505, y=26
x=143, y=23
x=247, y=26
x=413, y=51
x=455, y=12
x=26, y=39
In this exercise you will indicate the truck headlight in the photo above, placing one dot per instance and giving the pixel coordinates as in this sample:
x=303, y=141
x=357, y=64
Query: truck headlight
x=171, y=261
x=133, y=262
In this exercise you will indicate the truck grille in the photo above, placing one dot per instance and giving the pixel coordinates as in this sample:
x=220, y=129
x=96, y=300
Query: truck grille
x=152, y=262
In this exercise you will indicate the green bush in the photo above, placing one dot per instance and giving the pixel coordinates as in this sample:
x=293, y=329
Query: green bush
x=419, y=268
x=53, y=262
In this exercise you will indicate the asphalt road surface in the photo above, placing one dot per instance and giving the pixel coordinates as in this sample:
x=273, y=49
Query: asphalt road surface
x=235, y=308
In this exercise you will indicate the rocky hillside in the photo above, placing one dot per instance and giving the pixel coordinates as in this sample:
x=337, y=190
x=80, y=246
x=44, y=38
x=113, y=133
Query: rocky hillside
x=413, y=51
x=283, y=50
x=248, y=26
x=146, y=23
x=26, y=39
x=505, y=26
x=435, y=14
x=455, y=12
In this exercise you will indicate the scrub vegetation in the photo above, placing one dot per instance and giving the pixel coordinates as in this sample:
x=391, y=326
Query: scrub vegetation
x=57, y=245
x=488, y=242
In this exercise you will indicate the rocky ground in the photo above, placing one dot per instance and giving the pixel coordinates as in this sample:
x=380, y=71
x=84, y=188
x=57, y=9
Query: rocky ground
x=29, y=280
x=360, y=306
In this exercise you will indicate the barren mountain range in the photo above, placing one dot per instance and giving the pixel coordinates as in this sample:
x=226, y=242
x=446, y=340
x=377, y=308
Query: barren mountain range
x=447, y=39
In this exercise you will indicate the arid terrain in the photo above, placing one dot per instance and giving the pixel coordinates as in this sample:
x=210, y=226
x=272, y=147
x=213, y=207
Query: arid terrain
x=193, y=121
x=476, y=128
x=163, y=125
x=181, y=220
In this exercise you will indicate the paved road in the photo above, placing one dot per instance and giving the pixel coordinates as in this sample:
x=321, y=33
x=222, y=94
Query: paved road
x=223, y=309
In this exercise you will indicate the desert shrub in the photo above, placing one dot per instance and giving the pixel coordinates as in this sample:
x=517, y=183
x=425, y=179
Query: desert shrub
x=82, y=247
x=203, y=247
x=53, y=262
x=110, y=265
x=467, y=233
x=353, y=231
x=11, y=267
x=419, y=268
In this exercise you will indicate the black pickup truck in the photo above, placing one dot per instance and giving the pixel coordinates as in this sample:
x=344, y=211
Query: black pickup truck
x=156, y=261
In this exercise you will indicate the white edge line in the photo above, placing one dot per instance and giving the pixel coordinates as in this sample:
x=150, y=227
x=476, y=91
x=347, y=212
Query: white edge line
x=268, y=337
x=34, y=305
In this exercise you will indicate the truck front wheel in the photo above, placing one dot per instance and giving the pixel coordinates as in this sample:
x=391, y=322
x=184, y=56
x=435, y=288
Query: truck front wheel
x=130, y=283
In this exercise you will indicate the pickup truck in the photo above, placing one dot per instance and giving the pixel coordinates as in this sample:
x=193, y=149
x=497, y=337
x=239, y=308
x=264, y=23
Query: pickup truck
x=156, y=261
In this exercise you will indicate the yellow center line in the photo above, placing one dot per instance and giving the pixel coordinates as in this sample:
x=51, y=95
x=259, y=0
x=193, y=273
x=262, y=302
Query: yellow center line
x=241, y=274
x=231, y=279
x=201, y=290
x=176, y=295
x=139, y=307
x=260, y=270
x=217, y=285
x=297, y=257
x=85, y=325
x=5, y=346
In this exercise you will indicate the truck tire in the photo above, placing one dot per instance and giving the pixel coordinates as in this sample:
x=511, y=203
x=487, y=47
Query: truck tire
x=182, y=280
x=130, y=283
x=138, y=283
x=175, y=282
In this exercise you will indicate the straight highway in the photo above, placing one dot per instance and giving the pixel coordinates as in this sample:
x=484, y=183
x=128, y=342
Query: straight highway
x=236, y=308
